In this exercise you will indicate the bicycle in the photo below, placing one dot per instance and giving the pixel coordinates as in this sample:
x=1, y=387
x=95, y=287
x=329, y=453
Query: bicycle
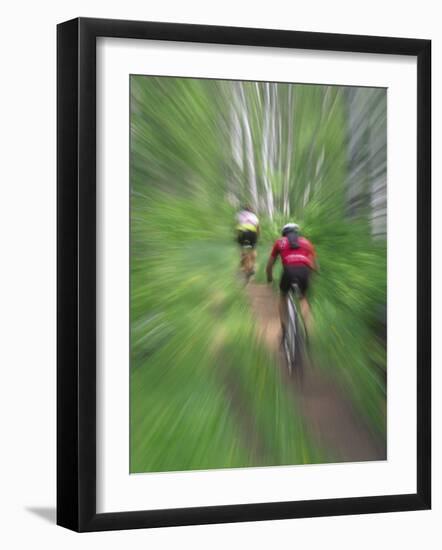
x=294, y=338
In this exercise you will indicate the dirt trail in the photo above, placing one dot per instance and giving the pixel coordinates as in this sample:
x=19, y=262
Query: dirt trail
x=327, y=412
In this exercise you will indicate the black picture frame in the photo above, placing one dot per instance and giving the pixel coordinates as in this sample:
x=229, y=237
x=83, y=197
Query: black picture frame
x=76, y=273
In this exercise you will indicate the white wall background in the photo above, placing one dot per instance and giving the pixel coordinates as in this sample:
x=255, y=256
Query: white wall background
x=27, y=289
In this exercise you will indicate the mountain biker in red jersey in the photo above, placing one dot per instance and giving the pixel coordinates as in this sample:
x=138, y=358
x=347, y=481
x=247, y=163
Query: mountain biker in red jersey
x=298, y=258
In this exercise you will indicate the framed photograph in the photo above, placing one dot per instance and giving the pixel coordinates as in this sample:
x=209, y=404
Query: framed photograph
x=243, y=274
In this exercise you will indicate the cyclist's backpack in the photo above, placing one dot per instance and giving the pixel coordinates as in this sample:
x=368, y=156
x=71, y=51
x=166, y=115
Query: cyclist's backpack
x=293, y=239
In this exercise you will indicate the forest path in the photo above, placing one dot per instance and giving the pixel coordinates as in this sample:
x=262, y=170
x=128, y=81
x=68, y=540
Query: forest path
x=328, y=413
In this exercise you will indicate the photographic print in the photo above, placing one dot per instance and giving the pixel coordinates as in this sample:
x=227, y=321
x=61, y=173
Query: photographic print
x=222, y=292
x=258, y=240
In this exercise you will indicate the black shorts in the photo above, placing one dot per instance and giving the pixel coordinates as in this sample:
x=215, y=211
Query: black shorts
x=299, y=274
x=247, y=238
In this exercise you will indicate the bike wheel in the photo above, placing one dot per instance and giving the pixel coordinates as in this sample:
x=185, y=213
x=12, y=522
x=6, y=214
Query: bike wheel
x=299, y=355
x=295, y=341
x=247, y=264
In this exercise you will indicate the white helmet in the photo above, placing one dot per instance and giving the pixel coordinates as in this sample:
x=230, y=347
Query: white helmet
x=289, y=227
